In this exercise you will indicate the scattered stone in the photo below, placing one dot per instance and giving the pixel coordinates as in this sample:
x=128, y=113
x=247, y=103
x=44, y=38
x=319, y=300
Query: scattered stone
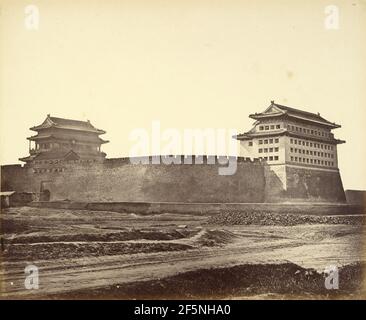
x=281, y=219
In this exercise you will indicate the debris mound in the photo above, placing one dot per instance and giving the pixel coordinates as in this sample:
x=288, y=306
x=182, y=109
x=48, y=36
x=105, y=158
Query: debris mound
x=281, y=219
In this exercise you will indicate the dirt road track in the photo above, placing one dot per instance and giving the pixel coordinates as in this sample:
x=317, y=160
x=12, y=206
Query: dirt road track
x=308, y=246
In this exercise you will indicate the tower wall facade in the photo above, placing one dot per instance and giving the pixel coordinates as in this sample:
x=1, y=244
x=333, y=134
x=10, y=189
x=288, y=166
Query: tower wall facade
x=287, y=183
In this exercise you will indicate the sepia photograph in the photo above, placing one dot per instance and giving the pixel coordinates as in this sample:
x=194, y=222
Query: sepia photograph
x=183, y=150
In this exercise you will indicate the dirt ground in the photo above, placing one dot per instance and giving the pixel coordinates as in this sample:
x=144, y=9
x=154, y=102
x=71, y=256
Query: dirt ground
x=95, y=254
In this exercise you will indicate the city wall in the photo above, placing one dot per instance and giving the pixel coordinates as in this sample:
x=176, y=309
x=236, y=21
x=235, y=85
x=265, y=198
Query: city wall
x=117, y=180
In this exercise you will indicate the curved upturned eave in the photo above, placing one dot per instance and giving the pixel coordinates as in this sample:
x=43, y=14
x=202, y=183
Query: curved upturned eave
x=260, y=116
x=250, y=136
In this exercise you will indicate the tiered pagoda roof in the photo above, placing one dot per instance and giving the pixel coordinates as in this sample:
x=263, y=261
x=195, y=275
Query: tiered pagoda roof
x=74, y=139
x=54, y=122
x=277, y=110
x=284, y=112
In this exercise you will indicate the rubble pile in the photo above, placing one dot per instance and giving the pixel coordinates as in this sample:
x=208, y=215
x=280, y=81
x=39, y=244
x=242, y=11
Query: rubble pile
x=281, y=219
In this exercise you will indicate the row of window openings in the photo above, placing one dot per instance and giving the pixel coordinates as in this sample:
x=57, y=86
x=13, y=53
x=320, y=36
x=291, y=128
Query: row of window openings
x=270, y=158
x=270, y=127
x=298, y=129
x=265, y=150
x=267, y=141
x=313, y=161
x=307, y=143
x=65, y=145
x=62, y=161
x=49, y=170
x=308, y=131
x=320, y=154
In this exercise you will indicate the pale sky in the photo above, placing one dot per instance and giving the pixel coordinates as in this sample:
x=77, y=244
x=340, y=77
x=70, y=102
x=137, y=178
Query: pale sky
x=187, y=64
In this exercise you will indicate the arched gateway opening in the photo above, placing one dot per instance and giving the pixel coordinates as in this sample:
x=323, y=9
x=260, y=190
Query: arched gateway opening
x=45, y=195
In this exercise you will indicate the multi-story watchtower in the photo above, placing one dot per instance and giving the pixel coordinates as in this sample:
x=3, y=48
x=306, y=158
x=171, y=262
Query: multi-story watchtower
x=294, y=144
x=59, y=139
